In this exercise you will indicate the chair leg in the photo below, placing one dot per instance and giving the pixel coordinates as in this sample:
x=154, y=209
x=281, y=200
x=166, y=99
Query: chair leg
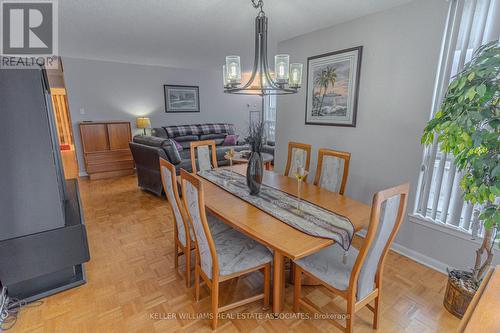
x=376, y=313
x=297, y=284
x=187, y=254
x=215, y=303
x=197, y=281
x=350, y=315
x=176, y=255
x=267, y=286
x=291, y=278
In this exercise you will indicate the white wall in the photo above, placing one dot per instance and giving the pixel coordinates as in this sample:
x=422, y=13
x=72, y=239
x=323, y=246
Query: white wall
x=400, y=54
x=122, y=91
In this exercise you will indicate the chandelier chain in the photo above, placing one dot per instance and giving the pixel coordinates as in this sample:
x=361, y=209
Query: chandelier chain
x=258, y=4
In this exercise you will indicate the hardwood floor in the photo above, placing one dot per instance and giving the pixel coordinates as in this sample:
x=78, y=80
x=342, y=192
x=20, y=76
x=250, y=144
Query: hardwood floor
x=133, y=286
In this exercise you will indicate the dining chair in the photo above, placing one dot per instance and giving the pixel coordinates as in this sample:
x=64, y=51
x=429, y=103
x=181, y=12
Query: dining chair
x=332, y=170
x=221, y=257
x=356, y=275
x=182, y=243
x=299, y=154
x=200, y=151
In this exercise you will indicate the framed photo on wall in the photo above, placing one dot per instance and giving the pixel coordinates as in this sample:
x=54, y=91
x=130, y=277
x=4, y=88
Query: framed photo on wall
x=332, y=87
x=181, y=98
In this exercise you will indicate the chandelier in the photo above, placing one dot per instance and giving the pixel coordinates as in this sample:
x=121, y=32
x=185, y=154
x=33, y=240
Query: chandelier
x=286, y=78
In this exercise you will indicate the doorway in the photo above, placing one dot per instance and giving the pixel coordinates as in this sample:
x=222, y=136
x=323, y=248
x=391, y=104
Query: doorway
x=63, y=120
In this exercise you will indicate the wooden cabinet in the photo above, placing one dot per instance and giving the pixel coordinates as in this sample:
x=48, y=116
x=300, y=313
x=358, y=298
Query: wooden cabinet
x=105, y=148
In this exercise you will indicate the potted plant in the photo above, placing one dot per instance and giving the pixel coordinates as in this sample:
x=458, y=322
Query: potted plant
x=467, y=126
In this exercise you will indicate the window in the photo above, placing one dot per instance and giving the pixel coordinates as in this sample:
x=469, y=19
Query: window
x=470, y=24
x=270, y=116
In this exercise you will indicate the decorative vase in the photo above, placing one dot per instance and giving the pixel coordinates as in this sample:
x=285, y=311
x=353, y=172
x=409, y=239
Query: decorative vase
x=255, y=171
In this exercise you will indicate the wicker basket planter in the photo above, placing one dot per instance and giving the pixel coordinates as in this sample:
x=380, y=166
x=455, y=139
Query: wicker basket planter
x=456, y=298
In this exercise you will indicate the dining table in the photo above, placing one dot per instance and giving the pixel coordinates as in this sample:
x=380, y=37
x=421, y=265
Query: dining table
x=283, y=239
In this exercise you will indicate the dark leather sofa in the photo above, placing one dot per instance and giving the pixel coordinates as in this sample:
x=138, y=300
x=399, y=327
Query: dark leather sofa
x=146, y=151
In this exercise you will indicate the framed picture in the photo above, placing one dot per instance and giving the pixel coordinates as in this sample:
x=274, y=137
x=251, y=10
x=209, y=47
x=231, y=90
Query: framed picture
x=332, y=88
x=181, y=98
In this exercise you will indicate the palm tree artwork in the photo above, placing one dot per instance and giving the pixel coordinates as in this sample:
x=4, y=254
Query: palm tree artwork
x=322, y=82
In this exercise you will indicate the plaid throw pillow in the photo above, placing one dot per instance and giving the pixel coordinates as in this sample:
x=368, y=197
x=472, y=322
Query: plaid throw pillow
x=182, y=130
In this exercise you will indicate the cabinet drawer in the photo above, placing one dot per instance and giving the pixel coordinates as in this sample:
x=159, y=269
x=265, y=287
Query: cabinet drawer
x=112, y=166
x=109, y=156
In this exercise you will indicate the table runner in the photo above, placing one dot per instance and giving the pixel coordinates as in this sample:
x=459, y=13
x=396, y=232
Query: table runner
x=312, y=220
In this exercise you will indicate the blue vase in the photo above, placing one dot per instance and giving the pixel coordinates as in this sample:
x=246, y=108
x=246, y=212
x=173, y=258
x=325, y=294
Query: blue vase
x=255, y=173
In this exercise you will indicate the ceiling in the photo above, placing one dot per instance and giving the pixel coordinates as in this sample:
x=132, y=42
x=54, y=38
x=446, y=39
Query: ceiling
x=192, y=33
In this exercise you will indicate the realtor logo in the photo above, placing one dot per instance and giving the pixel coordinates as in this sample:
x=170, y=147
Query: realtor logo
x=29, y=30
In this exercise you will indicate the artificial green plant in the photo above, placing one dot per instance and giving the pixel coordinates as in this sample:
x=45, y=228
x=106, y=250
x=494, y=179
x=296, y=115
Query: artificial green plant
x=467, y=126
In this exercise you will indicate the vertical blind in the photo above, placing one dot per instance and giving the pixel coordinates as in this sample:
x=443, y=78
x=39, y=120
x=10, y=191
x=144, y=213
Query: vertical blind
x=470, y=24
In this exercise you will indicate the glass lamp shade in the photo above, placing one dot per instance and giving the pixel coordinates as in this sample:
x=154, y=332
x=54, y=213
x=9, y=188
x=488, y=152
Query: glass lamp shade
x=295, y=75
x=281, y=63
x=233, y=70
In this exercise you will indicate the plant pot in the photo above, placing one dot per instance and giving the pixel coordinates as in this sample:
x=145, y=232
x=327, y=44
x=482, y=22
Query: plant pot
x=255, y=171
x=456, y=298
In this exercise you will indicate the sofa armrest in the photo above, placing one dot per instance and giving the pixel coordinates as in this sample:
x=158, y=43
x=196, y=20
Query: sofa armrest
x=167, y=146
x=159, y=132
x=171, y=151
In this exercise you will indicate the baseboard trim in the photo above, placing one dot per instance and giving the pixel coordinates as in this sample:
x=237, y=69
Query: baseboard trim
x=415, y=256
x=420, y=258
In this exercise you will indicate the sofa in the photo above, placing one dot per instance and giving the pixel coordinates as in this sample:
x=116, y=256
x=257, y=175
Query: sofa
x=172, y=143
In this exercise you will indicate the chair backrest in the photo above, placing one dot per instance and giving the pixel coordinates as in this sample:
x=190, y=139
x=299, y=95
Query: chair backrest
x=192, y=194
x=299, y=154
x=388, y=209
x=200, y=151
x=168, y=178
x=332, y=170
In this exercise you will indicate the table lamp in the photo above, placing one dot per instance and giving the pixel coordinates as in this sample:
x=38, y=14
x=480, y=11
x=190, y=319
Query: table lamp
x=143, y=122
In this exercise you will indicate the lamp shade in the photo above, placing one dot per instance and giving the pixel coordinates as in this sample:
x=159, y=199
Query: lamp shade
x=143, y=122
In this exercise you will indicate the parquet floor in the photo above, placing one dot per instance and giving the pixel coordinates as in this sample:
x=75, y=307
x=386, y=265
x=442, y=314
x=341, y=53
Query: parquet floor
x=133, y=286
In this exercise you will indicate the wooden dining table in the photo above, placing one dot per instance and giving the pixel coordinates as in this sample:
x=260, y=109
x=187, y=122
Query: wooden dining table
x=284, y=240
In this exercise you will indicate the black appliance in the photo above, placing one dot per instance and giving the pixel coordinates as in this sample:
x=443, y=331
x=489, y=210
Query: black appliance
x=43, y=241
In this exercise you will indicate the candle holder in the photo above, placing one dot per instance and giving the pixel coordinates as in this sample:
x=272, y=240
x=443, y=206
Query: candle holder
x=300, y=175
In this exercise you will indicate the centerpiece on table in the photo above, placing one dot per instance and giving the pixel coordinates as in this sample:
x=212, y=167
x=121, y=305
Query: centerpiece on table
x=255, y=169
